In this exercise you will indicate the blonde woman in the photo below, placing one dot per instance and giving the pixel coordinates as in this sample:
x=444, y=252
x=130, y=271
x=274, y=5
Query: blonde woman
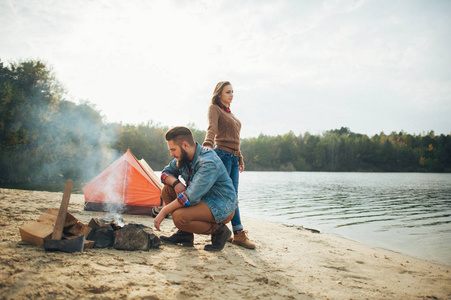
x=224, y=132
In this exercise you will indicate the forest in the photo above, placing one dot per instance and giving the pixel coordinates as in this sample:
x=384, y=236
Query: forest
x=46, y=138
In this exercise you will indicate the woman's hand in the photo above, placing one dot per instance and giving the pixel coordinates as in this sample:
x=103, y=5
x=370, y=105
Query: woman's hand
x=207, y=148
x=241, y=168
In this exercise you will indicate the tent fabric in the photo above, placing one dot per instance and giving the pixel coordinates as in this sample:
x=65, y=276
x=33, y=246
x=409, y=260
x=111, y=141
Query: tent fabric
x=126, y=186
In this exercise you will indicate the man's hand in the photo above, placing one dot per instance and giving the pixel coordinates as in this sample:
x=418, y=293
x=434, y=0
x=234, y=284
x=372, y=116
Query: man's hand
x=168, y=209
x=179, y=188
x=159, y=218
x=241, y=168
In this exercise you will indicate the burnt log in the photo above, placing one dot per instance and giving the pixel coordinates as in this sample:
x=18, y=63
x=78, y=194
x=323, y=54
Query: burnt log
x=135, y=237
x=96, y=222
x=103, y=236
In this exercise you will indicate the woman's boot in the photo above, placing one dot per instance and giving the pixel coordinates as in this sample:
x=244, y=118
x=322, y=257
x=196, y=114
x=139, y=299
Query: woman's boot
x=240, y=238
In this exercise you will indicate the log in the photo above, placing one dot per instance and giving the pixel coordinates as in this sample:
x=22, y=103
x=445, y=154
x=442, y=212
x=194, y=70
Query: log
x=50, y=215
x=89, y=244
x=36, y=232
x=61, y=218
x=95, y=222
x=103, y=236
x=135, y=237
x=78, y=229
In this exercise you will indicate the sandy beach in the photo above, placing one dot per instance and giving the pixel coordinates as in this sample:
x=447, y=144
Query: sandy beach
x=289, y=263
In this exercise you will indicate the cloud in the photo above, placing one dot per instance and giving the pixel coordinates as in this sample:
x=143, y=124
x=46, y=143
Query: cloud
x=294, y=65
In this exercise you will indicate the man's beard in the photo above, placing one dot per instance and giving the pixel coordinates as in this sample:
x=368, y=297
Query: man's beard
x=183, y=161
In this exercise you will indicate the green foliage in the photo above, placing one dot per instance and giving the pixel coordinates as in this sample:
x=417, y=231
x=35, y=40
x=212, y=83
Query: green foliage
x=344, y=151
x=46, y=138
x=145, y=141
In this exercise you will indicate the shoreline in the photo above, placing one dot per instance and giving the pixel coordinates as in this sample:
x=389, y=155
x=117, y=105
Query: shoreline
x=289, y=263
x=368, y=243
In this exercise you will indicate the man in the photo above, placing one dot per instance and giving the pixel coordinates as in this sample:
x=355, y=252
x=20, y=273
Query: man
x=208, y=200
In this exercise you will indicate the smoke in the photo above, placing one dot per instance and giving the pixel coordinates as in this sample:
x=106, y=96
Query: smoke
x=110, y=190
x=46, y=140
x=115, y=195
x=71, y=142
x=114, y=207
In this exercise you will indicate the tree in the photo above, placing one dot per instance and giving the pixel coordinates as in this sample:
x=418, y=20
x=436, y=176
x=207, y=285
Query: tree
x=44, y=137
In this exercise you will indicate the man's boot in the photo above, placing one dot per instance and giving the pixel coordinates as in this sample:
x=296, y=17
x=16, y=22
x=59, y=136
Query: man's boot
x=219, y=238
x=240, y=238
x=180, y=237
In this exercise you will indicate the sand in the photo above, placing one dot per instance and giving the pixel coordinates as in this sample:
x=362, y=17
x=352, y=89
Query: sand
x=290, y=263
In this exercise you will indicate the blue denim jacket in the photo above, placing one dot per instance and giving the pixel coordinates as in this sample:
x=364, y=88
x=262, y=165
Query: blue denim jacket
x=209, y=182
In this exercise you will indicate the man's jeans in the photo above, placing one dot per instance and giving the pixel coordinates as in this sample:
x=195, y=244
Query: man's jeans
x=195, y=219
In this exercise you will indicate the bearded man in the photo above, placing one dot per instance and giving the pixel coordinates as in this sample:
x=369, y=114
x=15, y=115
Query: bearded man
x=205, y=202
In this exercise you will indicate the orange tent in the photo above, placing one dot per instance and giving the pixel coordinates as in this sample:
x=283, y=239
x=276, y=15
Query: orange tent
x=126, y=186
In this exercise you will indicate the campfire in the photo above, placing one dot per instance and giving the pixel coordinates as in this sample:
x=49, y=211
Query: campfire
x=58, y=230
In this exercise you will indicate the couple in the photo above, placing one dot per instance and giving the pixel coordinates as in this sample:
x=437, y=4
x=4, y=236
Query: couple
x=207, y=200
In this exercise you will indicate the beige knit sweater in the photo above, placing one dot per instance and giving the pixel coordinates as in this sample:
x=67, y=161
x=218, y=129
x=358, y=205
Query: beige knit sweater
x=223, y=130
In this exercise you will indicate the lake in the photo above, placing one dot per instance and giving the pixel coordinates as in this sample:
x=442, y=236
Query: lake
x=405, y=212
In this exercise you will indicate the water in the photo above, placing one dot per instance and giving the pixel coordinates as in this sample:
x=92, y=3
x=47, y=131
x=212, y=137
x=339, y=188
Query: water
x=405, y=212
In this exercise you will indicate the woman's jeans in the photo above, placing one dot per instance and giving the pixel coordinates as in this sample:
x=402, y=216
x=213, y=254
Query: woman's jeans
x=231, y=163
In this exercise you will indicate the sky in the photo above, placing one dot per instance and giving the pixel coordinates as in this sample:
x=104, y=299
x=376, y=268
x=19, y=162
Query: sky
x=302, y=66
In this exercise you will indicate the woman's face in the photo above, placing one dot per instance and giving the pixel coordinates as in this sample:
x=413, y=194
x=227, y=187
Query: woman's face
x=226, y=96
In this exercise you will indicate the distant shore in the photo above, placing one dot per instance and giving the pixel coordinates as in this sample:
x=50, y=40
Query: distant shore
x=289, y=263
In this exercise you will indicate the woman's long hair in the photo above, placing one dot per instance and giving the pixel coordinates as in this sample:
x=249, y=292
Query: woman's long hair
x=218, y=91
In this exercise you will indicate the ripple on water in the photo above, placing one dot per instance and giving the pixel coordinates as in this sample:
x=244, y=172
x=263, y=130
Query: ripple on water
x=398, y=211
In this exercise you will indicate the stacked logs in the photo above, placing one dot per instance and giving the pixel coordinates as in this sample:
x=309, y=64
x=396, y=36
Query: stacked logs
x=99, y=233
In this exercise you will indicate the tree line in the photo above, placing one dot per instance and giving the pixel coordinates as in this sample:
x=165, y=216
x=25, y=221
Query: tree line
x=341, y=150
x=45, y=137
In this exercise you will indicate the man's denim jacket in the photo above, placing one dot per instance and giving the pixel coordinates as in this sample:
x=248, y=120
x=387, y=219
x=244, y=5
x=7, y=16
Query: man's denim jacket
x=209, y=182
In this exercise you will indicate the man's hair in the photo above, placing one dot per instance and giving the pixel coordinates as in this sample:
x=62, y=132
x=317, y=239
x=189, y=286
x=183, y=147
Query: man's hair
x=217, y=92
x=180, y=134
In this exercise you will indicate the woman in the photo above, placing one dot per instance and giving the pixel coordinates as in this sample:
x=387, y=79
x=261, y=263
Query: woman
x=224, y=131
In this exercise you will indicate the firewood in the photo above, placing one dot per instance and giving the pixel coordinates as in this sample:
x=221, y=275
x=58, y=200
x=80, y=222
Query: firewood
x=50, y=215
x=78, y=229
x=135, y=237
x=89, y=244
x=36, y=232
x=103, y=236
